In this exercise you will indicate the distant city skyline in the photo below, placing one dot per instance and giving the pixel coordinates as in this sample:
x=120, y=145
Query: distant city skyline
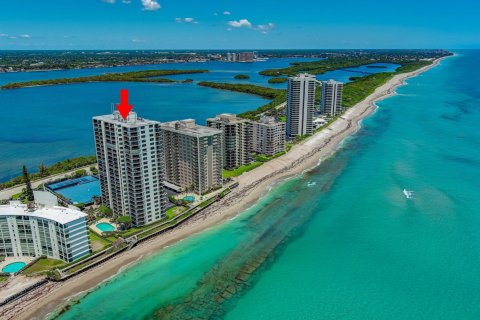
x=169, y=24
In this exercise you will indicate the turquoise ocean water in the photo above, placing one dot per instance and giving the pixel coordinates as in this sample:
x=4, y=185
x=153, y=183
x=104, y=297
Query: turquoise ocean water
x=349, y=247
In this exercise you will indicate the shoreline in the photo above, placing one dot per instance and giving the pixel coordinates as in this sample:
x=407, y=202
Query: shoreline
x=252, y=186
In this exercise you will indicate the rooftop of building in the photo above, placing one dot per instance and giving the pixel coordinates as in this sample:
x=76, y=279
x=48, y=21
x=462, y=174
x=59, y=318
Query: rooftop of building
x=189, y=127
x=228, y=118
x=58, y=214
x=303, y=76
x=132, y=121
x=332, y=81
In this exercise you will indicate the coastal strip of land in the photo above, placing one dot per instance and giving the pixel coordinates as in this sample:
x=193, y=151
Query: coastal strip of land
x=134, y=76
x=252, y=186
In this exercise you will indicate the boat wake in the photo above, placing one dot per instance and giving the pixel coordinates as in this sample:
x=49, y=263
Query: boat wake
x=408, y=193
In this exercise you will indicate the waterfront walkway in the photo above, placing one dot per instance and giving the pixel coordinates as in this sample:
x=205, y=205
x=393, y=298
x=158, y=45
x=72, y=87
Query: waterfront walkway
x=8, y=193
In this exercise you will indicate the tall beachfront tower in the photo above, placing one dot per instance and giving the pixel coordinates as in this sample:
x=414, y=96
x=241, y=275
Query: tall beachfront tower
x=331, y=101
x=130, y=163
x=237, y=139
x=300, y=105
x=193, y=155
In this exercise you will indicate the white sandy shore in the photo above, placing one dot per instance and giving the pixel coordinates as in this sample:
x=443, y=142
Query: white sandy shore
x=252, y=186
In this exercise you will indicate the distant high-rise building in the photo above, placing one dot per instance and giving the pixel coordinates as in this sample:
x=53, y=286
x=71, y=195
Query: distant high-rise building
x=237, y=139
x=193, y=155
x=300, y=105
x=331, y=101
x=268, y=136
x=246, y=56
x=130, y=163
x=241, y=56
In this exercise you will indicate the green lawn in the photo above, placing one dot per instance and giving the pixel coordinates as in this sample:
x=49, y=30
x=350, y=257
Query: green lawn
x=43, y=265
x=97, y=242
x=174, y=211
x=3, y=278
x=241, y=170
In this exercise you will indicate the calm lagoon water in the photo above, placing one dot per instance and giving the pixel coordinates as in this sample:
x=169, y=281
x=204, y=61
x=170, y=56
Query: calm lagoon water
x=52, y=123
x=351, y=246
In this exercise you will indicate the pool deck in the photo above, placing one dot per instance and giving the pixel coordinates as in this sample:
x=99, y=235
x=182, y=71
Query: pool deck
x=94, y=228
x=9, y=260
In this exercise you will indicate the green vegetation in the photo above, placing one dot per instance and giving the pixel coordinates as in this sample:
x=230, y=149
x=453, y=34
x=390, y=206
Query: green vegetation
x=3, y=278
x=241, y=170
x=242, y=76
x=60, y=167
x=105, y=211
x=264, y=158
x=43, y=265
x=278, y=80
x=125, y=221
x=278, y=96
x=134, y=76
x=98, y=243
x=28, y=185
x=356, y=91
x=174, y=211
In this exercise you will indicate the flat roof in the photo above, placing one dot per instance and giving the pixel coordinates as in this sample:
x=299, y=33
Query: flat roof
x=189, y=127
x=132, y=121
x=58, y=214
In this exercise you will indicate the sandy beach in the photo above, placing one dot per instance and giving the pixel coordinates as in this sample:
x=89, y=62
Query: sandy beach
x=252, y=186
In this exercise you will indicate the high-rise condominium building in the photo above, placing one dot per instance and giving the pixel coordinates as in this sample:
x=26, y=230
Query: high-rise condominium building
x=130, y=163
x=331, y=101
x=268, y=136
x=300, y=105
x=237, y=139
x=193, y=155
x=241, y=56
x=34, y=231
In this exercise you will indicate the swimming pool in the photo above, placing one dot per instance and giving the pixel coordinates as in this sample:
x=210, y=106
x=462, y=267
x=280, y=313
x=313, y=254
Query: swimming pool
x=79, y=190
x=105, y=227
x=14, y=267
x=189, y=198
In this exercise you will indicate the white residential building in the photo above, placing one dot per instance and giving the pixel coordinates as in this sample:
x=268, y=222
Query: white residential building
x=193, y=155
x=130, y=164
x=331, y=100
x=268, y=136
x=33, y=231
x=237, y=139
x=300, y=105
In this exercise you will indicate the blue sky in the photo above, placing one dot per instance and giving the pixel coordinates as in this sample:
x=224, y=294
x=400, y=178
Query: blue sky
x=229, y=24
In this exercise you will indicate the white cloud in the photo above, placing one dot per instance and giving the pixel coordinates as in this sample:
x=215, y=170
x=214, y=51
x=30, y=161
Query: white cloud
x=215, y=14
x=109, y=1
x=265, y=28
x=126, y=1
x=186, y=20
x=139, y=40
x=150, y=5
x=3, y=35
x=242, y=23
x=12, y=37
x=227, y=13
x=25, y=36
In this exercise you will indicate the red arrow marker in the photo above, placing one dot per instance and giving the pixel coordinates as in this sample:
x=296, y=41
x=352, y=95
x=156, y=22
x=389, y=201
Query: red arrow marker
x=124, y=108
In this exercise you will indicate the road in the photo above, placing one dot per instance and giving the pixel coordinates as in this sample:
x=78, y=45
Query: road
x=8, y=193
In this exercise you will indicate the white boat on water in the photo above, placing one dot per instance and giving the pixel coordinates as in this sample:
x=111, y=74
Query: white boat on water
x=408, y=193
x=311, y=184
